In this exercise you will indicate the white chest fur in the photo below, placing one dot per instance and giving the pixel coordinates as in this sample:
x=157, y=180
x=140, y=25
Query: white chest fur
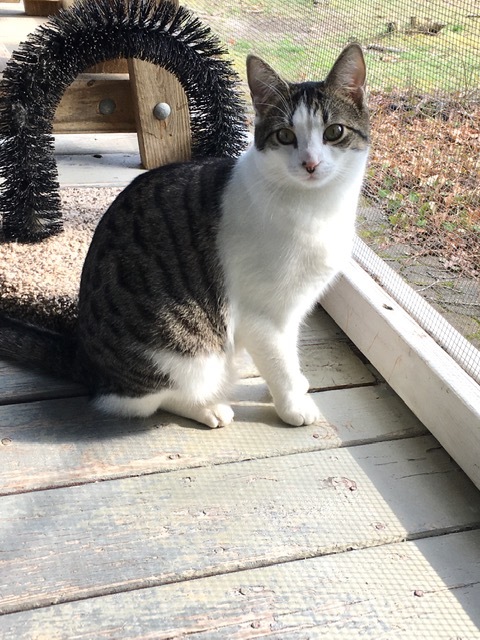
x=282, y=243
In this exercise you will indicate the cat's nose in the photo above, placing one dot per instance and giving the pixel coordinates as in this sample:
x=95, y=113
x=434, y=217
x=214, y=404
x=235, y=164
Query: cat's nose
x=310, y=166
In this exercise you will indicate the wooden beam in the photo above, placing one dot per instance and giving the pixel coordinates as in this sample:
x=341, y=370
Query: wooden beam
x=347, y=419
x=79, y=110
x=160, y=141
x=423, y=589
x=327, y=364
x=41, y=7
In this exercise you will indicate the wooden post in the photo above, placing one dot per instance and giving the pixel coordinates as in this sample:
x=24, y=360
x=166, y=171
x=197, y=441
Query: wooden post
x=160, y=141
x=41, y=7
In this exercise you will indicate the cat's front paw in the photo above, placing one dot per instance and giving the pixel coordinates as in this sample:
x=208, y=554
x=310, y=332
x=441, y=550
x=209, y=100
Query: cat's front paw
x=298, y=410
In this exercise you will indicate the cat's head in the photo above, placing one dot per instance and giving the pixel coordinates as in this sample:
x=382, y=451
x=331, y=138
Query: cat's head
x=311, y=133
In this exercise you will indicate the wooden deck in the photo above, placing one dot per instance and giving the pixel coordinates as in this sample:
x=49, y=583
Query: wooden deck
x=358, y=527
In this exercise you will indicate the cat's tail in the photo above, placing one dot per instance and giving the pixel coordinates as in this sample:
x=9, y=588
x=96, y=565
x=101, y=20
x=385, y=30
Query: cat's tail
x=39, y=348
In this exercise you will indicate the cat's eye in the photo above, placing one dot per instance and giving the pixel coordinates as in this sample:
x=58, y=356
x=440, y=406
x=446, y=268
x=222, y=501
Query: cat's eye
x=286, y=136
x=333, y=133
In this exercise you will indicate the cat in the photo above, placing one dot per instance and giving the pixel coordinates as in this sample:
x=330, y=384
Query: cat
x=194, y=261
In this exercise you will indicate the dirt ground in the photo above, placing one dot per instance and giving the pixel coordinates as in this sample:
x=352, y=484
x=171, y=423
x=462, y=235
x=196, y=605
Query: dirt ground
x=453, y=294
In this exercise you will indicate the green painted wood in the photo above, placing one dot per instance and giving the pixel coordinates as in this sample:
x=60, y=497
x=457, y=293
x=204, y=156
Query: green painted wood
x=63, y=442
x=424, y=589
x=106, y=537
x=332, y=365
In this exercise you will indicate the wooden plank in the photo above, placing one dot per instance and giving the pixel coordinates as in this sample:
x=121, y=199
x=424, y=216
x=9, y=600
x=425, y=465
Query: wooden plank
x=319, y=327
x=333, y=365
x=100, y=143
x=61, y=443
x=95, y=539
x=42, y=7
x=79, y=108
x=98, y=170
x=325, y=355
x=19, y=385
x=117, y=65
x=438, y=391
x=164, y=141
x=160, y=141
x=424, y=589
x=327, y=365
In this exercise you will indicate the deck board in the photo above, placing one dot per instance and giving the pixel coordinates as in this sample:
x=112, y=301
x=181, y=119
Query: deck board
x=89, y=540
x=393, y=592
x=63, y=442
x=99, y=512
x=327, y=365
x=20, y=385
x=110, y=170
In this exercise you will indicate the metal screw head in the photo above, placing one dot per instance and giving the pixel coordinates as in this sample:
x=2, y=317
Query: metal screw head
x=107, y=106
x=161, y=111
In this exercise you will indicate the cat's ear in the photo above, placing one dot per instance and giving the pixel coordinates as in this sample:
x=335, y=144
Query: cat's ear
x=265, y=84
x=348, y=73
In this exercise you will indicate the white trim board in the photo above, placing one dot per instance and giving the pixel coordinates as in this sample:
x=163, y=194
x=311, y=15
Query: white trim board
x=440, y=393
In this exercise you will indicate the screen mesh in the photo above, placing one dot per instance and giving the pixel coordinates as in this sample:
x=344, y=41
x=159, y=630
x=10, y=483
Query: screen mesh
x=420, y=211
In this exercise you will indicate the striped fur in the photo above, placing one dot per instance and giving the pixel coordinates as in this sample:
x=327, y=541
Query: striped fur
x=152, y=279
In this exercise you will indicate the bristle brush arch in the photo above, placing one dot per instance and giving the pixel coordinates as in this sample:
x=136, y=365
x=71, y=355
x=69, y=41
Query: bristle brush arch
x=90, y=32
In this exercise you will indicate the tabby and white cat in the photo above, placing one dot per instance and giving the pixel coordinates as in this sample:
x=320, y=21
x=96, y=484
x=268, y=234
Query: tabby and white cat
x=193, y=261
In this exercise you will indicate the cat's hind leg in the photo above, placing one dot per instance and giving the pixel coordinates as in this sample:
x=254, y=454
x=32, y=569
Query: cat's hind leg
x=129, y=406
x=212, y=415
x=199, y=386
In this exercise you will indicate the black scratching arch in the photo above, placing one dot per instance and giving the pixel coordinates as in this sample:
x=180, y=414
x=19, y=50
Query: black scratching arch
x=50, y=59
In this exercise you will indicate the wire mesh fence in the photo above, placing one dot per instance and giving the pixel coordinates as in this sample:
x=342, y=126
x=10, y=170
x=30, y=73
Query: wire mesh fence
x=420, y=211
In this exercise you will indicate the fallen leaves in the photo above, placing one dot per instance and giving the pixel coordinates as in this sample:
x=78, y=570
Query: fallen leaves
x=425, y=172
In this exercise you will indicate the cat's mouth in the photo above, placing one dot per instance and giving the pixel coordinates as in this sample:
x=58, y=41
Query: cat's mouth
x=314, y=178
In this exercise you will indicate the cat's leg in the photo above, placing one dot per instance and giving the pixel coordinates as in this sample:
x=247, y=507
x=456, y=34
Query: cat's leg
x=198, y=386
x=129, y=406
x=212, y=415
x=274, y=351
